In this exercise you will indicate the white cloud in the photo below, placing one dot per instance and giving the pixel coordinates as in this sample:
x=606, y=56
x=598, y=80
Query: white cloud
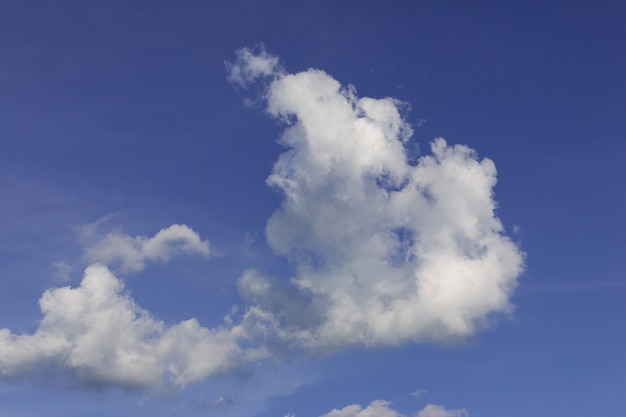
x=378, y=408
x=131, y=253
x=381, y=408
x=419, y=393
x=96, y=334
x=385, y=251
x=432, y=410
x=251, y=65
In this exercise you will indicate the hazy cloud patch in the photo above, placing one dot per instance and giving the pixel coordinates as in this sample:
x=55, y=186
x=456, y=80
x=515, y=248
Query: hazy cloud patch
x=419, y=393
x=62, y=271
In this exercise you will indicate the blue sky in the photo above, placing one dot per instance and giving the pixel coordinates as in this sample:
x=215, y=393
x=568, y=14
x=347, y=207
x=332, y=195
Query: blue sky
x=243, y=209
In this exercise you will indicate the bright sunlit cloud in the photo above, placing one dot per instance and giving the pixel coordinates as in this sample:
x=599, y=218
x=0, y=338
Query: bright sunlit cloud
x=96, y=335
x=385, y=251
x=381, y=408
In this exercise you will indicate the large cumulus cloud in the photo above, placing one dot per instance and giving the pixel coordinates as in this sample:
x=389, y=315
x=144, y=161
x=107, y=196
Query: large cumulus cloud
x=385, y=251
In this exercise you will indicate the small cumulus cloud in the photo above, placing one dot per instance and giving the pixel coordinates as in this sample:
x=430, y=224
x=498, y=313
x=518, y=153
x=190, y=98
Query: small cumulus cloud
x=419, y=393
x=381, y=408
x=131, y=253
x=96, y=335
x=432, y=410
x=378, y=408
x=252, y=64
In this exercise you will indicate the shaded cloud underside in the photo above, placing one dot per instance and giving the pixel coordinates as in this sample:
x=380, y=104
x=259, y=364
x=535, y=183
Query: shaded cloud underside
x=384, y=251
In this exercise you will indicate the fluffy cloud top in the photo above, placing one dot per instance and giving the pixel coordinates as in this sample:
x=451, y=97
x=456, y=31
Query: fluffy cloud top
x=131, y=253
x=381, y=408
x=96, y=334
x=378, y=408
x=385, y=251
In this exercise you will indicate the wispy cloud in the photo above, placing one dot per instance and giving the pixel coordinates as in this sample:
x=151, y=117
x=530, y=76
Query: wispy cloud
x=222, y=401
x=248, y=244
x=418, y=393
x=386, y=251
x=258, y=63
x=62, y=271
